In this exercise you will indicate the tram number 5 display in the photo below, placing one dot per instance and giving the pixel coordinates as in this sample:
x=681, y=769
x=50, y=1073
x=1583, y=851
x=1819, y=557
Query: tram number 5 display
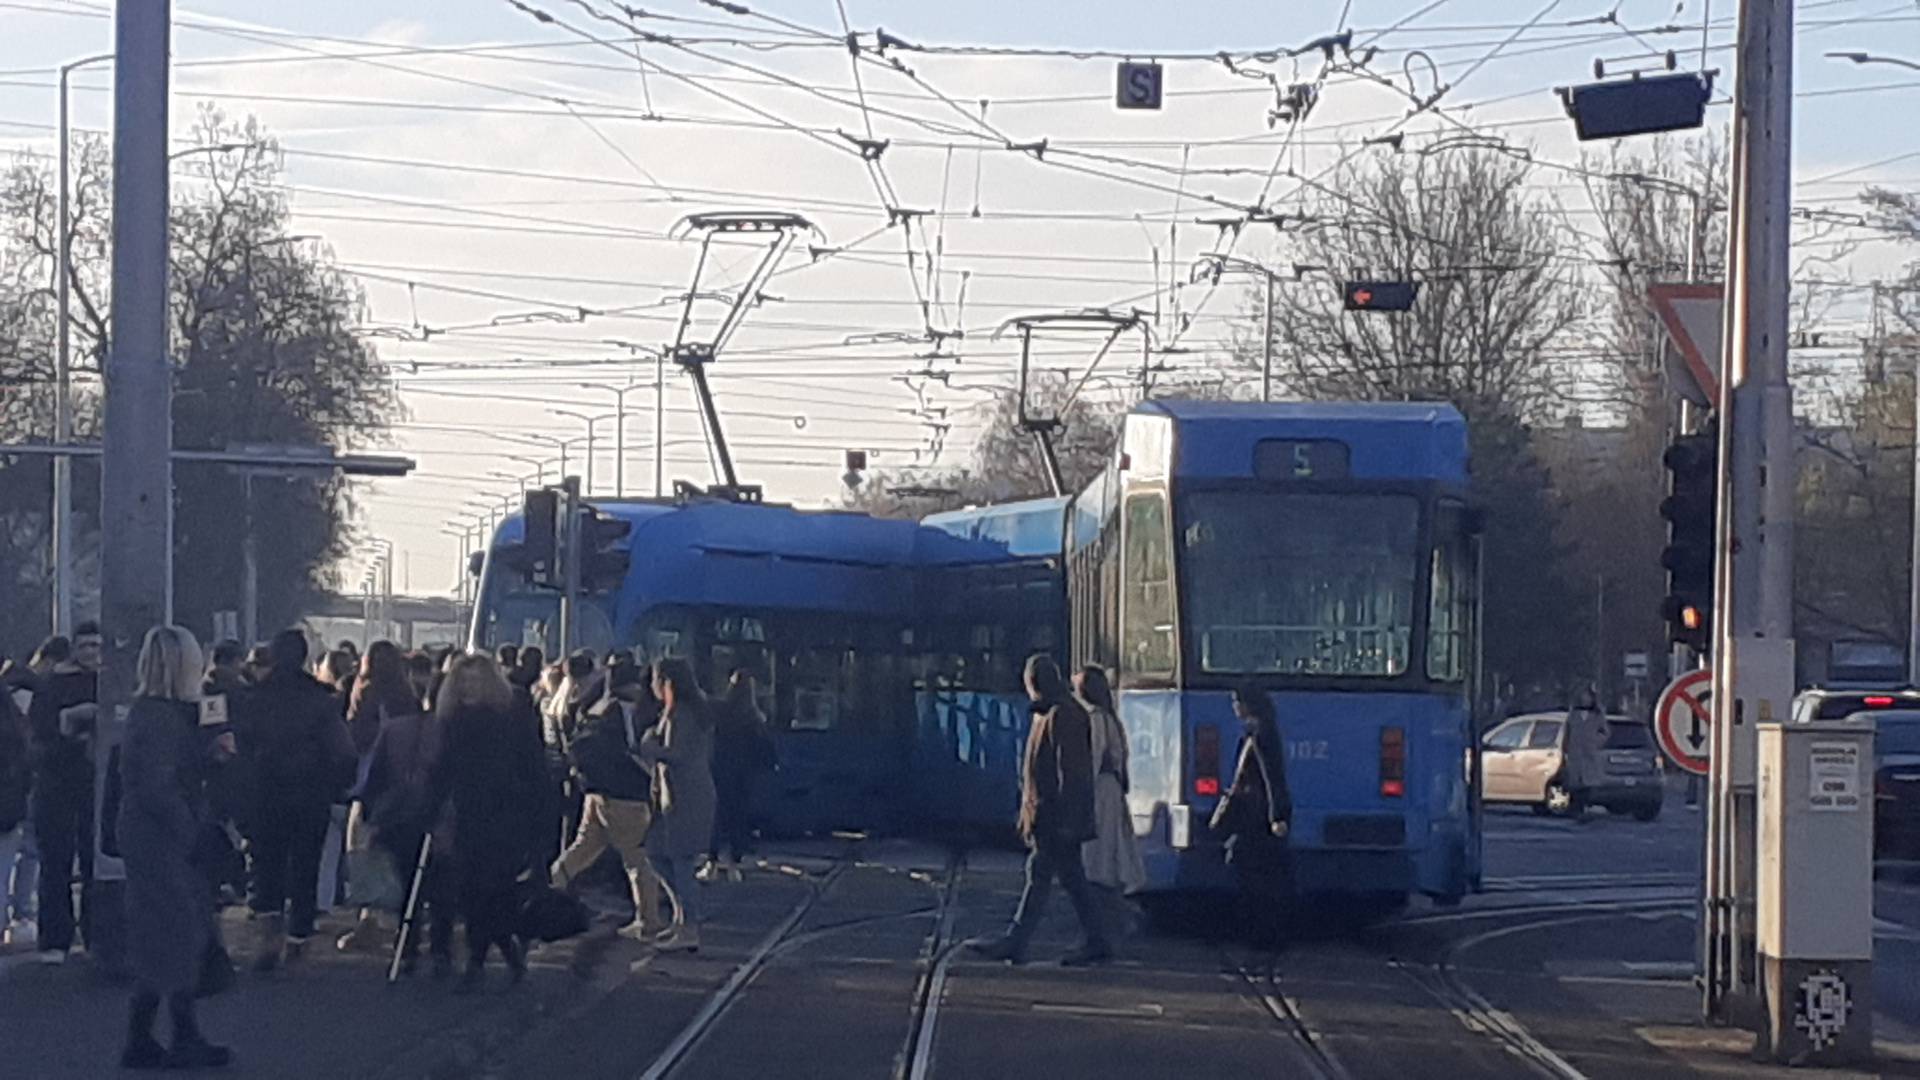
x=1301, y=459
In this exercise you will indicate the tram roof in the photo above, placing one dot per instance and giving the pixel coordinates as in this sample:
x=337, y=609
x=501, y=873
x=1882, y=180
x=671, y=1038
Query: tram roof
x=1387, y=439
x=1031, y=528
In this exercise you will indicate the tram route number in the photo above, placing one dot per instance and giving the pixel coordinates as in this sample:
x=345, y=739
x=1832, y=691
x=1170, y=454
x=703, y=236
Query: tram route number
x=1307, y=750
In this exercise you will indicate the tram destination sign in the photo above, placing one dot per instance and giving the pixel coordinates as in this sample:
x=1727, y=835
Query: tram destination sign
x=1302, y=459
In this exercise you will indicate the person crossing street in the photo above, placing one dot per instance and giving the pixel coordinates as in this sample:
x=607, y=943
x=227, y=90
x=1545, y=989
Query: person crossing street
x=1056, y=819
x=617, y=811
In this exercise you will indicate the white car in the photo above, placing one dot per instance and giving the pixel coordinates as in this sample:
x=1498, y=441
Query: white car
x=1524, y=760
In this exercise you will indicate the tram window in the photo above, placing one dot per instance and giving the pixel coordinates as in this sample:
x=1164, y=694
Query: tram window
x=1299, y=584
x=1452, y=597
x=1147, y=610
x=815, y=676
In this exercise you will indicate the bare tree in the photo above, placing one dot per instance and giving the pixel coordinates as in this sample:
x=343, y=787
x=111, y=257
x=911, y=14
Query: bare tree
x=265, y=352
x=1496, y=294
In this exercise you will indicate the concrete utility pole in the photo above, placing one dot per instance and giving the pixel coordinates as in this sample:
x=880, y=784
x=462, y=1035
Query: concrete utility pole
x=1753, y=620
x=63, y=367
x=136, y=474
x=1913, y=583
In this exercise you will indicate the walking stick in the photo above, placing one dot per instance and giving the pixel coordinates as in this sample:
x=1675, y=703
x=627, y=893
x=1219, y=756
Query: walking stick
x=412, y=909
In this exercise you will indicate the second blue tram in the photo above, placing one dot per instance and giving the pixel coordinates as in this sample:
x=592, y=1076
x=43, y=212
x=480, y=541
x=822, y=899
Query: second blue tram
x=1325, y=553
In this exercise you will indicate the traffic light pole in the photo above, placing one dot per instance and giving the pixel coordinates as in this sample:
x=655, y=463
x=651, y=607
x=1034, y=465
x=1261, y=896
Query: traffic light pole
x=1753, y=625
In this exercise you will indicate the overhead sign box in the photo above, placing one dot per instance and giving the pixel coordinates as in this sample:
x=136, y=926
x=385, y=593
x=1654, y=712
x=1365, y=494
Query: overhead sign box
x=1140, y=86
x=1638, y=105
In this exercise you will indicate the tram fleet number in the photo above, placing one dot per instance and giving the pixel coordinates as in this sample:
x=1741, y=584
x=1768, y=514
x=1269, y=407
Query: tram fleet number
x=1307, y=750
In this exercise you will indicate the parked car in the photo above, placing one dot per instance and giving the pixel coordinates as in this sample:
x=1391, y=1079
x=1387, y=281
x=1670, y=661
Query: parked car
x=1523, y=760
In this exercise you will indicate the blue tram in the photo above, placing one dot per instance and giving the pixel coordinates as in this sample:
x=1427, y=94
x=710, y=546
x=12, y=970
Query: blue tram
x=816, y=604
x=1324, y=552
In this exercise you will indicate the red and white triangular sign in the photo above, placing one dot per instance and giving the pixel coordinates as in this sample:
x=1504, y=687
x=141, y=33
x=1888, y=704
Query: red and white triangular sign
x=1691, y=315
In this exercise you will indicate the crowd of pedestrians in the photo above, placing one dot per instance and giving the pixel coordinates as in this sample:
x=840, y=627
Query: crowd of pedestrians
x=426, y=790
x=467, y=788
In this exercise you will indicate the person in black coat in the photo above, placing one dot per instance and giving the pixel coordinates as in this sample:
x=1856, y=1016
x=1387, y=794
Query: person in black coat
x=299, y=759
x=1056, y=818
x=742, y=750
x=1256, y=816
x=490, y=770
x=62, y=717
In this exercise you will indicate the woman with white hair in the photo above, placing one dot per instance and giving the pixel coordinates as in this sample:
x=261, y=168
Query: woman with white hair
x=161, y=812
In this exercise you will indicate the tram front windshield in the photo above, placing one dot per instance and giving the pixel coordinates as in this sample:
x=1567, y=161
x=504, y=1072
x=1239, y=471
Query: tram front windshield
x=1300, y=584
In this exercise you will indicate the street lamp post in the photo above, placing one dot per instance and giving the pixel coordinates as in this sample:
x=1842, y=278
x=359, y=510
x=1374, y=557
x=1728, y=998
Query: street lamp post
x=62, y=367
x=1217, y=266
x=591, y=422
x=538, y=465
x=619, y=432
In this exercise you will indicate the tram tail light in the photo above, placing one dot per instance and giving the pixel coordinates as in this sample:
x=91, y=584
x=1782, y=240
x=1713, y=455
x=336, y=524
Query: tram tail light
x=1206, y=760
x=1393, y=762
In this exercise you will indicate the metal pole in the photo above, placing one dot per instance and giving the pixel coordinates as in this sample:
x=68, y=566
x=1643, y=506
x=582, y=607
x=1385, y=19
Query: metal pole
x=1266, y=366
x=63, y=583
x=659, y=424
x=619, y=444
x=1913, y=593
x=1754, y=677
x=249, y=567
x=136, y=467
x=590, y=427
x=570, y=544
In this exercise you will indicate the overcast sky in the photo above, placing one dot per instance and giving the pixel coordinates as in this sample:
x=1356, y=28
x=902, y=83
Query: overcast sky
x=490, y=198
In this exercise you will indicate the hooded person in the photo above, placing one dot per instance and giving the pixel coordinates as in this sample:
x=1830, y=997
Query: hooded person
x=299, y=758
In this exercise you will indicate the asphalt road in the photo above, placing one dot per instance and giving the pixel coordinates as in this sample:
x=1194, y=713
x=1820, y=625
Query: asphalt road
x=839, y=959
x=1575, y=962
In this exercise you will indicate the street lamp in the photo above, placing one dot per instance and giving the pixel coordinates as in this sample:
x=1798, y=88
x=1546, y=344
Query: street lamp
x=1869, y=58
x=1700, y=210
x=619, y=431
x=1215, y=266
x=62, y=391
x=538, y=465
x=591, y=422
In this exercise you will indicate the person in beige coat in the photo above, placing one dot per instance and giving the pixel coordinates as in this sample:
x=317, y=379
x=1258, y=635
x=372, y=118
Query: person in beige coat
x=680, y=750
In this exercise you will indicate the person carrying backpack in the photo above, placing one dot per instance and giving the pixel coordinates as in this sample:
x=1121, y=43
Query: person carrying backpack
x=617, y=811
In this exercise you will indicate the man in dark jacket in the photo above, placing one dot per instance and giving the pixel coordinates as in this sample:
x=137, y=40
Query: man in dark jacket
x=62, y=717
x=1056, y=817
x=16, y=780
x=299, y=759
x=617, y=810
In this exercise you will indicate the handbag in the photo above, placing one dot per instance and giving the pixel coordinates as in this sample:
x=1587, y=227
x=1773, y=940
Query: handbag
x=547, y=914
x=373, y=881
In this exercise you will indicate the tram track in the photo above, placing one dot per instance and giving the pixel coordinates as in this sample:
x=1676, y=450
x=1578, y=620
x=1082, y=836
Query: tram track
x=1262, y=982
x=1442, y=980
x=786, y=939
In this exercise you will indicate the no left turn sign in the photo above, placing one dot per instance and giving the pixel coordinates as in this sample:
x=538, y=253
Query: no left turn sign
x=1683, y=721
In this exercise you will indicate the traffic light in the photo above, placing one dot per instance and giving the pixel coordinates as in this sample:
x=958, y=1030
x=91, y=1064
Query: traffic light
x=603, y=556
x=1380, y=295
x=1692, y=503
x=540, y=514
